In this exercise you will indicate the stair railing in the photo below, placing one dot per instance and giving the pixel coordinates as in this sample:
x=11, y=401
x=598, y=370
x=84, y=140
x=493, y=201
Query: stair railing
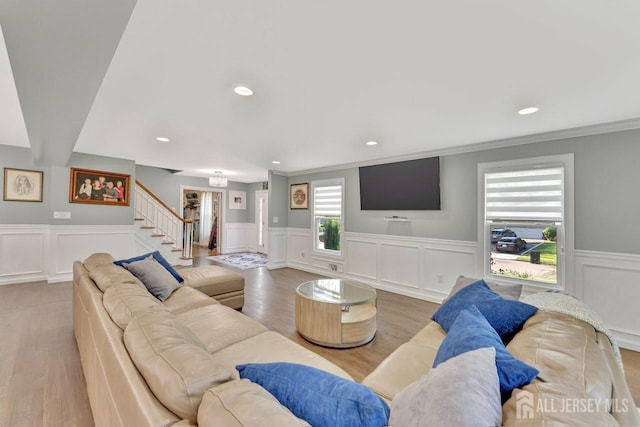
x=163, y=221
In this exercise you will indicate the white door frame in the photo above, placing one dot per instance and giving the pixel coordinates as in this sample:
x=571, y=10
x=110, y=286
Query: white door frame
x=221, y=214
x=265, y=222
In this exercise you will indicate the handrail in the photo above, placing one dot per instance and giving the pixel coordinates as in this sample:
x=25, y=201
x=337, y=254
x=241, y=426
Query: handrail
x=157, y=199
x=163, y=221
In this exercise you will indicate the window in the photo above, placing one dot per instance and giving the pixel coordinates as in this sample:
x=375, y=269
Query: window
x=327, y=216
x=527, y=219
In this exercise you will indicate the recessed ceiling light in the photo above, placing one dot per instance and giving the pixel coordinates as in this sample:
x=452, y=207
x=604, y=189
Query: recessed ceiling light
x=243, y=91
x=162, y=139
x=275, y=162
x=371, y=143
x=528, y=110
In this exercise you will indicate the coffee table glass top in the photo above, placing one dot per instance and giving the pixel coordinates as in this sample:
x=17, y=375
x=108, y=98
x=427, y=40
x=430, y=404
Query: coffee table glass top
x=337, y=291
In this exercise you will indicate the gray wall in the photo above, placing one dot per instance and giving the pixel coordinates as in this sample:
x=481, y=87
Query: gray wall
x=24, y=212
x=278, y=200
x=166, y=186
x=607, y=200
x=56, y=192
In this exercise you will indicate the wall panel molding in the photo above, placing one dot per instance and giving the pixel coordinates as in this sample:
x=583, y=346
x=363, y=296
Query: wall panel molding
x=46, y=252
x=23, y=253
x=609, y=283
x=238, y=237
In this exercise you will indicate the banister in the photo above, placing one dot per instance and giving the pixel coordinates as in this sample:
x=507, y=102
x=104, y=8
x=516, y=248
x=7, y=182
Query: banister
x=157, y=199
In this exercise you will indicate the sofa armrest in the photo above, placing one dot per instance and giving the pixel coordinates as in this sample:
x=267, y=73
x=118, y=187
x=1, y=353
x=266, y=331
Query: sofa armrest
x=623, y=407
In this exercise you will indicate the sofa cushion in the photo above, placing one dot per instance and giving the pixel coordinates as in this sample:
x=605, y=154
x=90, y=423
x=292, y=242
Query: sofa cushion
x=172, y=361
x=507, y=291
x=154, y=276
x=125, y=300
x=158, y=257
x=464, y=391
x=186, y=298
x=241, y=403
x=506, y=316
x=318, y=397
x=108, y=275
x=471, y=331
x=212, y=280
x=97, y=259
x=218, y=326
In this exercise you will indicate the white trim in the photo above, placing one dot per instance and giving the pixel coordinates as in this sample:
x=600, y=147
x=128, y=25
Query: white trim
x=324, y=253
x=565, y=271
x=222, y=208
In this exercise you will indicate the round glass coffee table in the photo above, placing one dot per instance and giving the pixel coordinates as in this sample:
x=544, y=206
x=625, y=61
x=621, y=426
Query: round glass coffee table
x=336, y=313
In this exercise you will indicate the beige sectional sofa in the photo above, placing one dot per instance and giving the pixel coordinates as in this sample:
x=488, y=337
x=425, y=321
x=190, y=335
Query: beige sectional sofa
x=148, y=363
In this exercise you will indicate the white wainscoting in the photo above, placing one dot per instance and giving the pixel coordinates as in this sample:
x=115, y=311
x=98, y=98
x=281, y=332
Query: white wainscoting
x=239, y=237
x=277, y=250
x=46, y=252
x=609, y=283
x=416, y=267
x=76, y=242
x=23, y=253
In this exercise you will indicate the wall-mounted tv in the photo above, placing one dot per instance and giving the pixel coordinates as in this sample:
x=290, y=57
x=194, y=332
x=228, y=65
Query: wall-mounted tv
x=412, y=185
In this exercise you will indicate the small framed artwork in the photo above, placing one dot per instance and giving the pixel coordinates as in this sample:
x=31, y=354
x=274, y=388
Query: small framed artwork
x=237, y=200
x=299, y=196
x=98, y=187
x=22, y=185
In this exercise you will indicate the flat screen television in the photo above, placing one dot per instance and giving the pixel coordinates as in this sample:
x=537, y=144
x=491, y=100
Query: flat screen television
x=412, y=185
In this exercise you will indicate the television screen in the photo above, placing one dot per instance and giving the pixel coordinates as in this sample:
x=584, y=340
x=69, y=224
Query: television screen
x=412, y=185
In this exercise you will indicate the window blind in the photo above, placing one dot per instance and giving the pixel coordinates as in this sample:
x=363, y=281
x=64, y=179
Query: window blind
x=327, y=201
x=534, y=194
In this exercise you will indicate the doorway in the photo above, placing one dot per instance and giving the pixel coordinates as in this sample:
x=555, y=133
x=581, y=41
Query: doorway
x=262, y=218
x=205, y=208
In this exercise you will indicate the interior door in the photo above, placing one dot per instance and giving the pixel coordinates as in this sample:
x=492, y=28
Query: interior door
x=262, y=215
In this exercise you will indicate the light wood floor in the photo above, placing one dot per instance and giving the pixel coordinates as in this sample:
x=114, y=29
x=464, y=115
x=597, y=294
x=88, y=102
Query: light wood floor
x=41, y=380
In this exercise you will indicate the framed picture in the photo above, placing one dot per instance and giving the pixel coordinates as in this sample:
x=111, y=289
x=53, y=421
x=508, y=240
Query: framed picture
x=22, y=185
x=299, y=196
x=237, y=200
x=103, y=188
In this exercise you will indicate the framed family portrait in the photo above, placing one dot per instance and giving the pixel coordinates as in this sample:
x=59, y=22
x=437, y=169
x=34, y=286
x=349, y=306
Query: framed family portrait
x=22, y=185
x=299, y=196
x=103, y=188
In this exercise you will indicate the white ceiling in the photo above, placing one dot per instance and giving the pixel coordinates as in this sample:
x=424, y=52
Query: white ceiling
x=416, y=76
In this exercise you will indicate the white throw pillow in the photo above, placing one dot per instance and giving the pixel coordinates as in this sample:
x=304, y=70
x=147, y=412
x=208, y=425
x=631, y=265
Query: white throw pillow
x=463, y=391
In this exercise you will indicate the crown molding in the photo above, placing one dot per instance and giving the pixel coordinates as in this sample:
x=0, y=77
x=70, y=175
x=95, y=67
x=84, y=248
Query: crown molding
x=617, y=126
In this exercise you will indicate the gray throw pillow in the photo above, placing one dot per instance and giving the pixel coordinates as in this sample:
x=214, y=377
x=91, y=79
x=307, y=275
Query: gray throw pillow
x=463, y=391
x=155, y=277
x=505, y=291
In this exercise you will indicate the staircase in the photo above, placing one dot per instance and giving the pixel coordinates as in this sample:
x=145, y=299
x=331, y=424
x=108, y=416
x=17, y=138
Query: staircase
x=161, y=229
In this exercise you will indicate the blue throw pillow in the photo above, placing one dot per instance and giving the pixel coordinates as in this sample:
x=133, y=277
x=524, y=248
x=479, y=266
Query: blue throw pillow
x=471, y=331
x=506, y=316
x=156, y=255
x=318, y=397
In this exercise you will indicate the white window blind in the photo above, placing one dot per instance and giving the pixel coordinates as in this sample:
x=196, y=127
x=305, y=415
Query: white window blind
x=327, y=201
x=533, y=194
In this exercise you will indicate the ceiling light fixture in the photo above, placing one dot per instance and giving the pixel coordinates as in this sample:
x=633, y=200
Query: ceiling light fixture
x=528, y=110
x=217, y=180
x=371, y=143
x=162, y=139
x=243, y=91
x=275, y=162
